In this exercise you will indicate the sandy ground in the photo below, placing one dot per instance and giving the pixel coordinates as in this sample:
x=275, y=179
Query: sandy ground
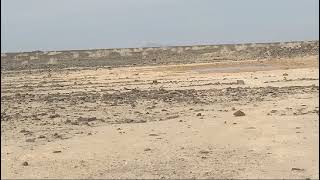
x=173, y=121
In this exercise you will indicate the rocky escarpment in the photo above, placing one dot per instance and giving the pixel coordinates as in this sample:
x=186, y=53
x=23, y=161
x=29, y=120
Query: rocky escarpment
x=156, y=55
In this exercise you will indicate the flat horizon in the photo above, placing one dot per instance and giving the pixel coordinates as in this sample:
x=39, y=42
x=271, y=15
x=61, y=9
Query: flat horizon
x=169, y=46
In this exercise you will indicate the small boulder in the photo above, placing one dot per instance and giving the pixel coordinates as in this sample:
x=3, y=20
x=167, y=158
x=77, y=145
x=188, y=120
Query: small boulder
x=239, y=113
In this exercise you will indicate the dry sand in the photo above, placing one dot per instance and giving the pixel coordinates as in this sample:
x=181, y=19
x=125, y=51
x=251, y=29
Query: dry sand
x=169, y=121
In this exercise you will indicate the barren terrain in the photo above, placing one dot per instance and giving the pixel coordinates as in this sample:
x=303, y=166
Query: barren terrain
x=165, y=120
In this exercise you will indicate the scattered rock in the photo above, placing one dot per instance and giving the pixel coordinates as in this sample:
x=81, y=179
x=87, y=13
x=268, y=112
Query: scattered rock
x=87, y=119
x=297, y=169
x=204, y=152
x=56, y=135
x=41, y=137
x=154, y=82
x=199, y=114
x=153, y=135
x=68, y=121
x=197, y=110
x=89, y=134
x=147, y=149
x=273, y=111
x=233, y=108
x=57, y=151
x=31, y=140
x=25, y=131
x=180, y=121
x=54, y=116
x=239, y=113
x=75, y=123
x=173, y=117
x=285, y=74
x=25, y=163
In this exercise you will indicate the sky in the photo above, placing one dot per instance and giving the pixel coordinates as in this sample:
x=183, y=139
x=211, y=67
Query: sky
x=28, y=25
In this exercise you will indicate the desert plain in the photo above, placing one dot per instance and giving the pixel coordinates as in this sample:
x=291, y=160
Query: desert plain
x=182, y=112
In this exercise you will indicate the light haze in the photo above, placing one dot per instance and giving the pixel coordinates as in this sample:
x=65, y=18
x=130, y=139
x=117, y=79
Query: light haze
x=28, y=25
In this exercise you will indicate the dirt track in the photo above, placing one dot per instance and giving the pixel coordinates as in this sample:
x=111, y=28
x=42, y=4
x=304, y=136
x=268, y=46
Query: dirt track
x=163, y=121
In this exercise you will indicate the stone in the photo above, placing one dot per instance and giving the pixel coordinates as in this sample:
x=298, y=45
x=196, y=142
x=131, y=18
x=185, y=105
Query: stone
x=41, y=137
x=239, y=113
x=31, y=140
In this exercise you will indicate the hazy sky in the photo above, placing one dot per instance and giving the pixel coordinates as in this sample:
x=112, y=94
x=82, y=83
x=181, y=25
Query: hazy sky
x=28, y=25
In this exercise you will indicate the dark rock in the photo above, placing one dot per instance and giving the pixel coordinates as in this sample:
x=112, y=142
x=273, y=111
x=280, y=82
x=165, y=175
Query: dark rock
x=173, y=117
x=128, y=120
x=239, y=113
x=297, y=169
x=54, y=116
x=68, y=121
x=25, y=163
x=31, y=140
x=74, y=123
x=204, y=152
x=24, y=131
x=87, y=119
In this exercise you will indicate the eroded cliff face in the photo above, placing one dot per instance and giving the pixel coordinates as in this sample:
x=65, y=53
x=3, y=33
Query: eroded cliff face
x=157, y=55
